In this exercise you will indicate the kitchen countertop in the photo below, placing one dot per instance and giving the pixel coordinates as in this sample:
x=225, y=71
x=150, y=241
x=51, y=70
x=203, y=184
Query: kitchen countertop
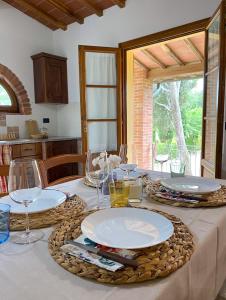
x=28, y=141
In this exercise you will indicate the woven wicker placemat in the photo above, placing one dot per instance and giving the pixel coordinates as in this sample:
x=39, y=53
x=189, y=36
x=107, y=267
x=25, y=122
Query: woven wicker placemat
x=153, y=262
x=70, y=208
x=215, y=199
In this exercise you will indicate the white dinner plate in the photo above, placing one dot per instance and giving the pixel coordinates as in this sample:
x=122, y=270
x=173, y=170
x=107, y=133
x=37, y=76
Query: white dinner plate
x=48, y=199
x=127, y=228
x=190, y=185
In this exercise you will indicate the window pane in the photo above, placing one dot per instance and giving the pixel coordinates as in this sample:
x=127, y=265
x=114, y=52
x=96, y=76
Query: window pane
x=4, y=97
x=102, y=135
x=101, y=103
x=214, y=44
x=101, y=68
x=210, y=140
x=212, y=94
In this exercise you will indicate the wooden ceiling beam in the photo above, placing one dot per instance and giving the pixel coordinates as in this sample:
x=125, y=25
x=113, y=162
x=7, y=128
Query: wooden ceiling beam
x=63, y=8
x=141, y=63
x=194, y=49
x=154, y=58
x=172, y=54
x=172, y=72
x=39, y=13
x=93, y=7
x=120, y=3
x=175, y=40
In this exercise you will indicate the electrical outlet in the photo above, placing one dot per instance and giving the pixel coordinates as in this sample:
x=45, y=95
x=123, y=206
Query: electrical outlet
x=45, y=120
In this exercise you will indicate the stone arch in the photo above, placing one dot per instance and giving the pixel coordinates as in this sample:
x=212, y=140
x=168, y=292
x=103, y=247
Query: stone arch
x=18, y=88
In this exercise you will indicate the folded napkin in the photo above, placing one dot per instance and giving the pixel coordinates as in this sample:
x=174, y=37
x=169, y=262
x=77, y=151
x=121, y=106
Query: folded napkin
x=177, y=198
x=92, y=258
x=97, y=260
x=122, y=252
x=168, y=194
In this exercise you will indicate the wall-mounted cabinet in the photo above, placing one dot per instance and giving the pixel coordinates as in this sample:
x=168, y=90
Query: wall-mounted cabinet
x=50, y=78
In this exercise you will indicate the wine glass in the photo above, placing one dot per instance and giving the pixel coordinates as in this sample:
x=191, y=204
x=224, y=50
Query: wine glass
x=24, y=187
x=128, y=160
x=161, y=155
x=97, y=170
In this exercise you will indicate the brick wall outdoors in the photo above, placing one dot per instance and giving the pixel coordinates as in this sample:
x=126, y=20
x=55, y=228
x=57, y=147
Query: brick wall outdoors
x=142, y=112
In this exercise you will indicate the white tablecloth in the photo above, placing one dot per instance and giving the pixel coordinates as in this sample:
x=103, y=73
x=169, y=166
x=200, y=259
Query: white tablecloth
x=30, y=273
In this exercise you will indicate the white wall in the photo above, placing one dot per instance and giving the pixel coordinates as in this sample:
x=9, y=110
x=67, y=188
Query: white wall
x=138, y=18
x=21, y=37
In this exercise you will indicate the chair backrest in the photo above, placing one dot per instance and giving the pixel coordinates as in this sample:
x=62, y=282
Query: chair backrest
x=4, y=173
x=59, y=160
x=4, y=170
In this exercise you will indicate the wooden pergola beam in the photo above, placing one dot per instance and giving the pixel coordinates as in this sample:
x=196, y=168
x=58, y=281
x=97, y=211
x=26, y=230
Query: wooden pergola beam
x=120, y=3
x=93, y=7
x=154, y=58
x=39, y=13
x=141, y=64
x=172, y=54
x=176, y=71
x=194, y=49
x=63, y=8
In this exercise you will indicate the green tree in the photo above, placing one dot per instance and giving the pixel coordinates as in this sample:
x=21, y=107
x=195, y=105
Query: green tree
x=178, y=114
x=191, y=101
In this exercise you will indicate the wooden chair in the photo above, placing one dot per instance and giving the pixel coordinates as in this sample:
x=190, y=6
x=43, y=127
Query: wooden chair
x=4, y=171
x=56, y=161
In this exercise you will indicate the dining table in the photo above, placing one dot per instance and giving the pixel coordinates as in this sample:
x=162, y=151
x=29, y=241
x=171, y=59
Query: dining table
x=28, y=272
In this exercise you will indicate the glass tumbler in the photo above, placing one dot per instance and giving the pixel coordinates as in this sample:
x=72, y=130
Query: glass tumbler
x=136, y=190
x=177, y=168
x=4, y=222
x=119, y=193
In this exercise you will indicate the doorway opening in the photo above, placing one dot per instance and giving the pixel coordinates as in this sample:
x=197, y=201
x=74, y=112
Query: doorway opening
x=165, y=102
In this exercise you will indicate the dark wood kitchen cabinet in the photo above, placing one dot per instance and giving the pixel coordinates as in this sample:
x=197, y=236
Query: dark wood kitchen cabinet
x=50, y=78
x=28, y=150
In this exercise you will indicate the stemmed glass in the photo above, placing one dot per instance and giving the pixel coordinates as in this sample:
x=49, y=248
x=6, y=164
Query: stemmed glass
x=24, y=187
x=161, y=157
x=97, y=170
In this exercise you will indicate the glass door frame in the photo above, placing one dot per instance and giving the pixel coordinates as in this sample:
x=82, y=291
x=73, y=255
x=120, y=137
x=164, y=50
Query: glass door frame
x=83, y=86
x=215, y=168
